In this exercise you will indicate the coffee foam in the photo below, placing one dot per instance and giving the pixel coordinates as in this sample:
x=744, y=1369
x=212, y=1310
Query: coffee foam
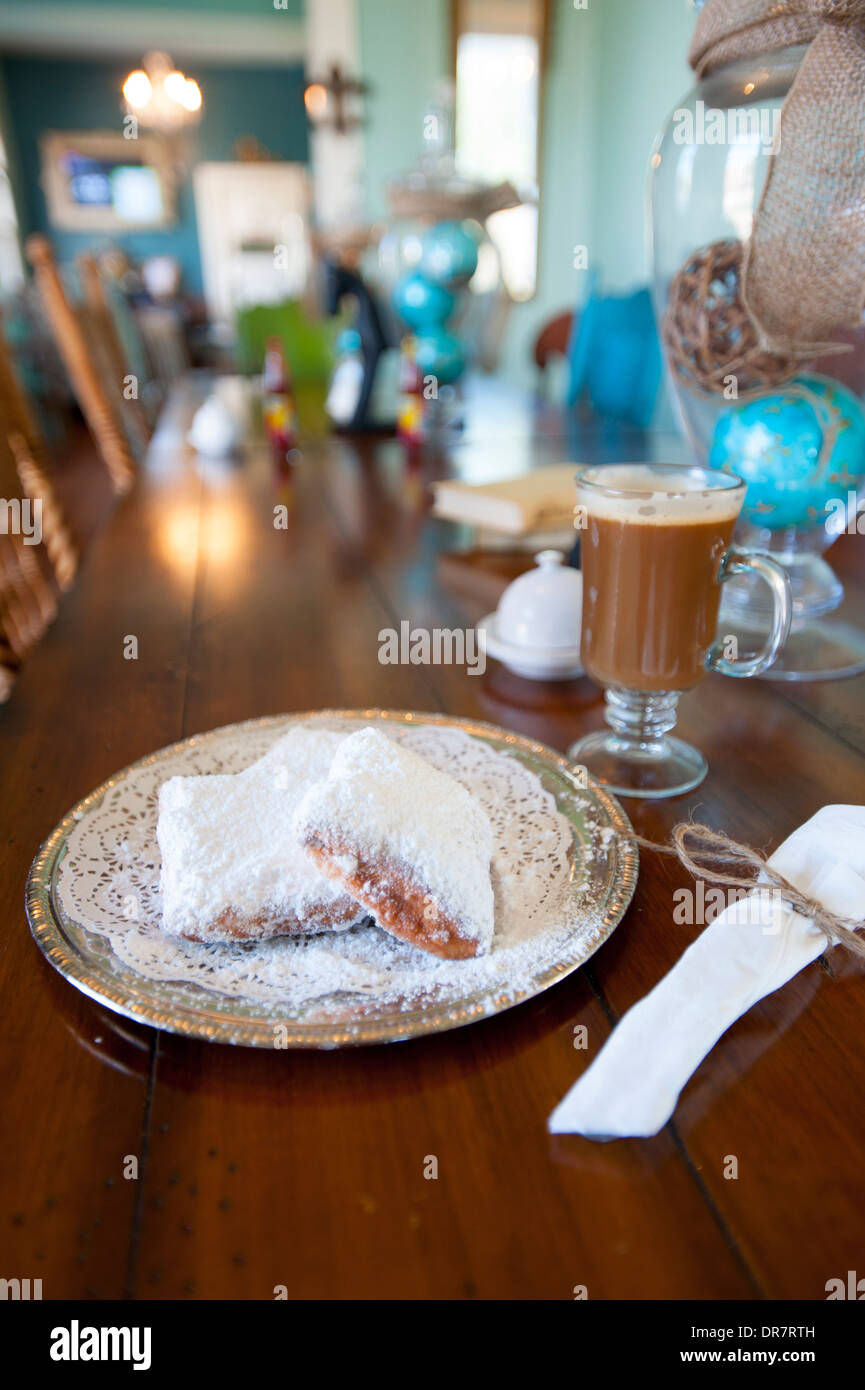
x=656, y=497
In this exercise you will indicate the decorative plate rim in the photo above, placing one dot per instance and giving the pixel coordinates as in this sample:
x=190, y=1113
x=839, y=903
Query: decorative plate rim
x=210, y=1026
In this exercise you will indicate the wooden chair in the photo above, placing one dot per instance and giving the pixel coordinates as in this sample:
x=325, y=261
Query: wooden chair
x=34, y=568
x=20, y=432
x=28, y=597
x=115, y=371
x=127, y=314
x=56, y=537
x=164, y=343
x=553, y=339
x=90, y=389
x=551, y=344
x=15, y=410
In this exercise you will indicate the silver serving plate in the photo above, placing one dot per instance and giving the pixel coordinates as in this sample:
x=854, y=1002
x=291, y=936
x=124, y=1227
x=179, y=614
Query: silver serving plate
x=86, y=961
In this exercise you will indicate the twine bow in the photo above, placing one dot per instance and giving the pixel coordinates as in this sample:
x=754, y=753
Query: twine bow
x=711, y=855
x=804, y=267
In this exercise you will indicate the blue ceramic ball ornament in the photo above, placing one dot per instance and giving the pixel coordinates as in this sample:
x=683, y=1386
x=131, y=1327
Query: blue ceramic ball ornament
x=449, y=255
x=440, y=354
x=798, y=448
x=420, y=303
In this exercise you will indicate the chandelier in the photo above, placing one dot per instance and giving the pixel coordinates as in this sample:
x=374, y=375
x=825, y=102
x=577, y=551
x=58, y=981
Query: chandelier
x=160, y=96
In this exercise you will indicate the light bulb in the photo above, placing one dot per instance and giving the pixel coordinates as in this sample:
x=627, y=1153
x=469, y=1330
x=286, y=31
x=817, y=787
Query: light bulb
x=191, y=97
x=137, y=89
x=174, y=84
x=315, y=100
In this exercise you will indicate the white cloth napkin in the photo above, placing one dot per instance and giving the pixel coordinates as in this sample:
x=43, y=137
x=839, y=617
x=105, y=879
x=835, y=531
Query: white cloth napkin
x=752, y=948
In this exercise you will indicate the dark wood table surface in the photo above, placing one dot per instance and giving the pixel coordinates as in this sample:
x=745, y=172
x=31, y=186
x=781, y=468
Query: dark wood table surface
x=306, y=1169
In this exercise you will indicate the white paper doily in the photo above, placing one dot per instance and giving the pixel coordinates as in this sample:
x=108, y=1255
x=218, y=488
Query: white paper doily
x=562, y=879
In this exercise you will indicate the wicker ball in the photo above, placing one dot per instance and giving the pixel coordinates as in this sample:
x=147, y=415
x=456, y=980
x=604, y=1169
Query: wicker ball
x=707, y=331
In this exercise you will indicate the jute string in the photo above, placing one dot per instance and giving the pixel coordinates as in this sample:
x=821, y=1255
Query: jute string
x=804, y=267
x=712, y=855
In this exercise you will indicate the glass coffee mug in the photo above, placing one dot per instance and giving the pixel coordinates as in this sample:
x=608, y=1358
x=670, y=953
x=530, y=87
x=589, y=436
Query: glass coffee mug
x=655, y=541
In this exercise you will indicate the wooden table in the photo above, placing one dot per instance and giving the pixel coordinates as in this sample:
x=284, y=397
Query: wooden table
x=307, y=1169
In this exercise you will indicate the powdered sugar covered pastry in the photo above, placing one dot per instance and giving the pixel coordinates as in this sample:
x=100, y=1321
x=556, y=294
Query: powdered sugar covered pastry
x=407, y=841
x=231, y=866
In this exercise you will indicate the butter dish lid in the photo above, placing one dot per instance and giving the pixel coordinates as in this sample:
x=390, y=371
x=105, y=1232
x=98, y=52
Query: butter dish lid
x=542, y=609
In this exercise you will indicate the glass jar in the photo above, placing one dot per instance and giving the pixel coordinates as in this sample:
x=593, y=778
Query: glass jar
x=794, y=431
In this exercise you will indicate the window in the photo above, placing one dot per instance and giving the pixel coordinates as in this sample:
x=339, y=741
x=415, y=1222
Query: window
x=499, y=60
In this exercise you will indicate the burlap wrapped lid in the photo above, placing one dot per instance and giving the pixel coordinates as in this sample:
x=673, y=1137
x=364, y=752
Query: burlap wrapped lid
x=804, y=267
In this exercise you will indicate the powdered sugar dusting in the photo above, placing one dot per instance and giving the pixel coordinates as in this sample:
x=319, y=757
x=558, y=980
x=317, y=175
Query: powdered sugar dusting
x=551, y=874
x=387, y=804
x=228, y=846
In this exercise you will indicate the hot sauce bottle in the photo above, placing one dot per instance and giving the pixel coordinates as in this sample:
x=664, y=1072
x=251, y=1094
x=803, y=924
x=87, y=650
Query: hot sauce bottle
x=279, y=409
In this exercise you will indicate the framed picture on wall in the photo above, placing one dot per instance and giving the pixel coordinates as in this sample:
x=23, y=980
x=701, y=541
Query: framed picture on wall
x=98, y=181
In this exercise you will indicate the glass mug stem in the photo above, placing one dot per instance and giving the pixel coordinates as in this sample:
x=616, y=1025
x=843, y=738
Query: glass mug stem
x=641, y=719
x=637, y=756
x=753, y=562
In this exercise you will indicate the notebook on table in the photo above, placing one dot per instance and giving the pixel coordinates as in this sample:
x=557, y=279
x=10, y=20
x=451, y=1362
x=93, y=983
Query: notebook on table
x=537, y=503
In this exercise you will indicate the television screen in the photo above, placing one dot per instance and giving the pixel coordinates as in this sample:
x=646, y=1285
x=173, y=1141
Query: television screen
x=133, y=192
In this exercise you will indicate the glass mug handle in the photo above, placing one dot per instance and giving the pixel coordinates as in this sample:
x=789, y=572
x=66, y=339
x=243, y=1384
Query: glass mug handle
x=742, y=562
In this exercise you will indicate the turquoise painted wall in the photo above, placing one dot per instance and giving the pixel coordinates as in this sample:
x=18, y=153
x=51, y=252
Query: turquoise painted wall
x=615, y=71
x=569, y=163
x=293, y=8
x=404, y=51
x=55, y=94
x=642, y=73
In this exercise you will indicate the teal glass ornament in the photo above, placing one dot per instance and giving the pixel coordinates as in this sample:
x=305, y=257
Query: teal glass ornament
x=800, y=448
x=348, y=342
x=449, y=255
x=440, y=354
x=420, y=303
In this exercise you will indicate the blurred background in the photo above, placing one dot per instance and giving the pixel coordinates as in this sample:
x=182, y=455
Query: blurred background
x=229, y=162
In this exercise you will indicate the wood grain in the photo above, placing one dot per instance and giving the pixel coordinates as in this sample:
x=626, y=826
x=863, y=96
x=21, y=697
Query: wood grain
x=74, y=1091
x=306, y=1170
